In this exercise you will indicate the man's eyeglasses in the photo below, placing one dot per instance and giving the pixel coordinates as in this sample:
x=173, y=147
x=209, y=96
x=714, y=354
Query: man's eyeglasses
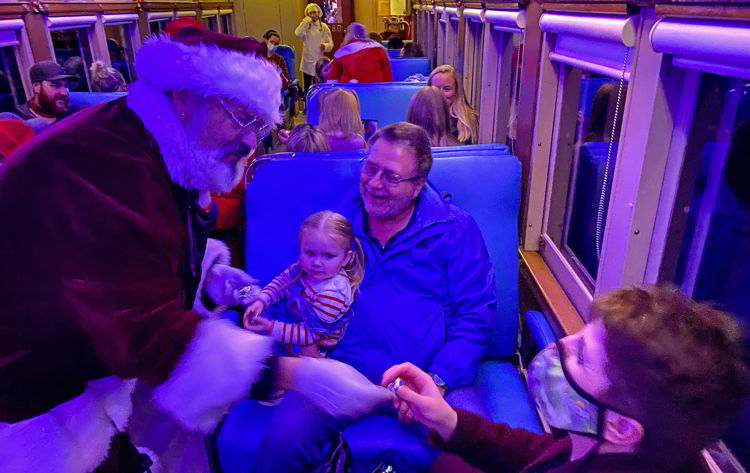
x=254, y=124
x=389, y=178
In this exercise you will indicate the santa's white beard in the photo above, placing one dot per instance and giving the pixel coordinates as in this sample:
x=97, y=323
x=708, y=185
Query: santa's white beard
x=189, y=164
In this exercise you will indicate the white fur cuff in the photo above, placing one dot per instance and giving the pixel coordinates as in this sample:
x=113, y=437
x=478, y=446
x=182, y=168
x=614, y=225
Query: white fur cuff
x=210, y=71
x=219, y=368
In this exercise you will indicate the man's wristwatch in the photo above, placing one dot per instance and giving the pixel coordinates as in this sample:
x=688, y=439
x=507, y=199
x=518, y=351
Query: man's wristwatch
x=438, y=381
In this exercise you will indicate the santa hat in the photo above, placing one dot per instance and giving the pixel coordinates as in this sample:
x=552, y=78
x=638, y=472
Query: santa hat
x=13, y=134
x=212, y=64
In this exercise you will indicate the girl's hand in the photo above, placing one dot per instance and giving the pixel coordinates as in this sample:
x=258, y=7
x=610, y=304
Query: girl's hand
x=311, y=351
x=252, y=312
x=421, y=399
x=260, y=325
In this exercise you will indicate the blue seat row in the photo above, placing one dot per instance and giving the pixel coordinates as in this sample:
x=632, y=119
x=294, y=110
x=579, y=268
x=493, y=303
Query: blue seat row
x=401, y=68
x=499, y=391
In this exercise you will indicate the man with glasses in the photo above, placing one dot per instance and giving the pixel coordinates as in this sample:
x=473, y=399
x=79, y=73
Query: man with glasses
x=103, y=260
x=427, y=297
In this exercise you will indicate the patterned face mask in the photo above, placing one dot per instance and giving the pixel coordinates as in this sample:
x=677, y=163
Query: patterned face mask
x=562, y=403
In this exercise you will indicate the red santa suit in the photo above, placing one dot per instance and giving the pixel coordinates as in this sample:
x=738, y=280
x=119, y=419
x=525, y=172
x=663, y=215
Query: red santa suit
x=362, y=61
x=101, y=259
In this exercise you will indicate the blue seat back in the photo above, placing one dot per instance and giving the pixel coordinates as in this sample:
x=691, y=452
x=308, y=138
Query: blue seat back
x=89, y=99
x=402, y=68
x=385, y=102
x=290, y=57
x=394, y=53
x=275, y=213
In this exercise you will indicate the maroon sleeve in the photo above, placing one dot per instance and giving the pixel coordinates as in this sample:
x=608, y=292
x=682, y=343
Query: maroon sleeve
x=492, y=446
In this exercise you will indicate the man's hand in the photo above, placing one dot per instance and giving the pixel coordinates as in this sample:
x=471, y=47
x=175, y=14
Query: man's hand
x=283, y=136
x=336, y=388
x=322, y=48
x=221, y=282
x=421, y=399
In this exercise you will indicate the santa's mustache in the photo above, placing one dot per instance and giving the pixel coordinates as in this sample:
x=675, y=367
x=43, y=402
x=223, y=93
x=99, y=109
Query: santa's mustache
x=236, y=148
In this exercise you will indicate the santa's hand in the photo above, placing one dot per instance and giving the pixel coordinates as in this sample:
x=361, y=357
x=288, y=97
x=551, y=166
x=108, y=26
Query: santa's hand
x=421, y=399
x=338, y=389
x=221, y=282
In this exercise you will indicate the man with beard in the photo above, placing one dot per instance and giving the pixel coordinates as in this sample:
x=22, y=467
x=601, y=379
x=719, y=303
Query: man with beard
x=102, y=264
x=427, y=297
x=50, y=100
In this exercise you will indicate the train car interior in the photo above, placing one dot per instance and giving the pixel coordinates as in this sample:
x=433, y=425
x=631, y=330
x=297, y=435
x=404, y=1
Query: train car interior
x=610, y=148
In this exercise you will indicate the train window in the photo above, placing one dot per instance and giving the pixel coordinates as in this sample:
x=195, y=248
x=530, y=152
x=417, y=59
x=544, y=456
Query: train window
x=158, y=26
x=500, y=67
x=226, y=23
x=473, y=46
x=210, y=20
x=72, y=48
x=451, y=37
x=11, y=87
x=121, y=32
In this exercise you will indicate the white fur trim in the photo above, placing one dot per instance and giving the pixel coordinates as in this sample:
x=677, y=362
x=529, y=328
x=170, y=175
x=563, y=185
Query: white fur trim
x=355, y=47
x=208, y=70
x=74, y=437
x=216, y=253
x=219, y=368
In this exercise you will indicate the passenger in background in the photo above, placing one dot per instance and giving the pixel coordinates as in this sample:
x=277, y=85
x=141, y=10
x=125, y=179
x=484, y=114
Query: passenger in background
x=307, y=138
x=322, y=67
x=340, y=119
x=106, y=79
x=375, y=36
x=317, y=40
x=464, y=119
x=395, y=42
x=650, y=381
x=429, y=109
x=412, y=49
x=273, y=39
x=360, y=59
x=49, y=100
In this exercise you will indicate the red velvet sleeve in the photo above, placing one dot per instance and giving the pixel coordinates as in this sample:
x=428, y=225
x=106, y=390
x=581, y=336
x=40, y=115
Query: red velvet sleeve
x=335, y=71
x=492, y=446
x=385, y=66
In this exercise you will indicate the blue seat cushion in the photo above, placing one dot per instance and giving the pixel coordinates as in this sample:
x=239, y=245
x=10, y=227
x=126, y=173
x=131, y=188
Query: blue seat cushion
x=499, y=393
x=89, y=99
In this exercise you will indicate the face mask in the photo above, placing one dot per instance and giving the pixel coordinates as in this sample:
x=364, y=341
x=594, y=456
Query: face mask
x=561, y=402
x=271, y=47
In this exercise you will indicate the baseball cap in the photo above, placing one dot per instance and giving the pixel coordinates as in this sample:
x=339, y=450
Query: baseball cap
x=48, y=70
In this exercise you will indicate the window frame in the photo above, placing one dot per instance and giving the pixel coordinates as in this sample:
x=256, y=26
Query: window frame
x=473, y=54
x=497, y=70
x=94, y=31
x=213, y=13
x=132, y=33
x=21, y=49
x=229, y=15
x=646, y=115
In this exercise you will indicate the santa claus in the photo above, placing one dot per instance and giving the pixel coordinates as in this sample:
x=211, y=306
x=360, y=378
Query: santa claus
x=102, y=244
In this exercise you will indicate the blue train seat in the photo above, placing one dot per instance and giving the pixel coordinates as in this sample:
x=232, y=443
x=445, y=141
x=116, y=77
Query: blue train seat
x=89, y=99
x=499, y=391
x=385, y=102
x=290, y=57
x=589, y=184
x=394, y=53
x=401, y=68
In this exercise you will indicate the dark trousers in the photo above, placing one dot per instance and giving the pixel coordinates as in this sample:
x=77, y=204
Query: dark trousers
x=307, y=80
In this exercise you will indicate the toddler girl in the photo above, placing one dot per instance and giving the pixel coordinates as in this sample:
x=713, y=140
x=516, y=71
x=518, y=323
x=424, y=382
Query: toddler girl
x=319, y=289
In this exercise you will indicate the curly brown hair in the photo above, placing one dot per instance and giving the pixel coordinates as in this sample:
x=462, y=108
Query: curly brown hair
x=677, y=366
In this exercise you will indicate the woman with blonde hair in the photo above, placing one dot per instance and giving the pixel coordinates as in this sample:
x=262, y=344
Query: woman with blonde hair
x=429, y=109
x=317, y=40
x=464, y=119
x=106, y=79
x=339, y=118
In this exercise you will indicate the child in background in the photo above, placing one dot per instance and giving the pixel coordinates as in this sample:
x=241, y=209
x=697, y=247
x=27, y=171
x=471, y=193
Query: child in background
x=318, y=289
x=321, y=70
x=340, y=119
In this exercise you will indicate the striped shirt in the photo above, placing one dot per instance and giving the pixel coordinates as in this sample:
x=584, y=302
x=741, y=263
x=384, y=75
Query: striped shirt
x=324, y=307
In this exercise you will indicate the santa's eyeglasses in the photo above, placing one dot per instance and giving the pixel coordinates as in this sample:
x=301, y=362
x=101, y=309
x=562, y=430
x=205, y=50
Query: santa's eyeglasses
x=254, y=124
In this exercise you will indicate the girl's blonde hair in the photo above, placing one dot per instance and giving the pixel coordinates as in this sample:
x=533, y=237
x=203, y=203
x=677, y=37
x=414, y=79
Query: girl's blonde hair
x=306, y=138
x=340, y=229
x=339, y=113
x=461, y=110
x=429, y=109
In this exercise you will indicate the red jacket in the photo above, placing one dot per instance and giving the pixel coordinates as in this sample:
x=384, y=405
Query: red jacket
x=480, y=445
x=363, y=61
